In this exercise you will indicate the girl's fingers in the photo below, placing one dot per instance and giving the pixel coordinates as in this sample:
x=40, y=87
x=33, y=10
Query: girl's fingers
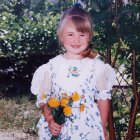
x=55, y=128
x=55, y=131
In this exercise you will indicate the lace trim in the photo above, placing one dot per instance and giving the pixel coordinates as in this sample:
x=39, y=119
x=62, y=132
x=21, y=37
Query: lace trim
x=103, y=94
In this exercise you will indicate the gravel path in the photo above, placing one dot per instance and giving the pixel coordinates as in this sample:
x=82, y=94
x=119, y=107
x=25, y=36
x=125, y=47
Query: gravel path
x=15, y=135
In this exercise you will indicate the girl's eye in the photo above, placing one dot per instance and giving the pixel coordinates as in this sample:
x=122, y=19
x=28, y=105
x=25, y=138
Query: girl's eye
x=83, y=35
x=70, y=34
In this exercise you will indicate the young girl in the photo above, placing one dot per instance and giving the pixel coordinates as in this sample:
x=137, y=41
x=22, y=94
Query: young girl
x=71, y=72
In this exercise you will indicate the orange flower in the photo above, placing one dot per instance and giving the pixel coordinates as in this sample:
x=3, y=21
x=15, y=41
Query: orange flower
x=67, y=110
x=82, y=107
x=43, y=95
x=75, y=96
x=53, y=102
x=64, y=102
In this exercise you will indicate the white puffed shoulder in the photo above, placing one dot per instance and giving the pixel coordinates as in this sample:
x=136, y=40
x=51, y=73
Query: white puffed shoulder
x=105, y=79
x=39, y=82
x=110, y=76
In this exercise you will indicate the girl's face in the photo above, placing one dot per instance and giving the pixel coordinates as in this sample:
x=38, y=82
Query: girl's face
x=73, y=41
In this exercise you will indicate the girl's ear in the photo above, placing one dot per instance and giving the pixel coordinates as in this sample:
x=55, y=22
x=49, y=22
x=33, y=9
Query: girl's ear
x=62, y=36
x=60, y=39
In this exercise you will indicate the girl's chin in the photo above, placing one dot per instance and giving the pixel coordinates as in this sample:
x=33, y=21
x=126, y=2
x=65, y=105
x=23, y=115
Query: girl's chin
x=74, y=55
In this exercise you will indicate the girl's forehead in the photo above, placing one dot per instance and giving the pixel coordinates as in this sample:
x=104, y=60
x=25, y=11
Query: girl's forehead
x=69, y=27
x=74, y=24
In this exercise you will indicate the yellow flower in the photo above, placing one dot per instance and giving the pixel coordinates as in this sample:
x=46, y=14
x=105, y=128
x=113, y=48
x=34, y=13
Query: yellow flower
x=67, y=110
x=64, y=102
x=43, y=95
x=82, y=107
x=75, y=96
x=53, y=102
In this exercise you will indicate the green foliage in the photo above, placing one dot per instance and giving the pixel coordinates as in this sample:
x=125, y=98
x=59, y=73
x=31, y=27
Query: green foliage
x=121, y=110
x=27, y=35
x=24, y=37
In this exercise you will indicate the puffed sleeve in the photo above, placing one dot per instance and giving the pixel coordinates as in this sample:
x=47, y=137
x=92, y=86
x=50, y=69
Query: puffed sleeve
x=41, y=84
x=105, y=78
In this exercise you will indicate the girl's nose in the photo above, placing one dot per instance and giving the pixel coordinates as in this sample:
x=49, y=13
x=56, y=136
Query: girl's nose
x=77, y=39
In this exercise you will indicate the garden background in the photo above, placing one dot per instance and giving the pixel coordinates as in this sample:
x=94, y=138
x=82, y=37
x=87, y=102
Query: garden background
x=28, y=40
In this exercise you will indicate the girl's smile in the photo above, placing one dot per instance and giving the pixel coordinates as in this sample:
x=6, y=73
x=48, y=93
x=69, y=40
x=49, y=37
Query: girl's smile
x=76, y=46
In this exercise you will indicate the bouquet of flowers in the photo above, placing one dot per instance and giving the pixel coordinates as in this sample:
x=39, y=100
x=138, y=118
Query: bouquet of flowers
x=62, y=109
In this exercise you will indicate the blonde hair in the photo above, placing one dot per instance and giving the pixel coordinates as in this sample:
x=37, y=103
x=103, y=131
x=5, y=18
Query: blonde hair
x=80, y=19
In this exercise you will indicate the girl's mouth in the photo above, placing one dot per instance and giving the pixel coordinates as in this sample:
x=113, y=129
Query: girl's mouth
x=76, y=46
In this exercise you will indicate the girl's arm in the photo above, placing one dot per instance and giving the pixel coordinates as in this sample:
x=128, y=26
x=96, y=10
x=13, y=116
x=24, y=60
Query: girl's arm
x=41, y=87
x=54, y=127
x=46, y=112
x=105, y=78
x=103, y=106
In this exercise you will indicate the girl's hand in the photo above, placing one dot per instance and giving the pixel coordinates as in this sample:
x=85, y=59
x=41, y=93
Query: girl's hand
x=54, y=127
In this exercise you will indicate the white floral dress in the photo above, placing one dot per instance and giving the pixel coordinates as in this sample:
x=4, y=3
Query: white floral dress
x=91, y=78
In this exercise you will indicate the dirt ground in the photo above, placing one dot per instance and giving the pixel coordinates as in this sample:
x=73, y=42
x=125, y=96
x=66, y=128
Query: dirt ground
x=15, y=135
